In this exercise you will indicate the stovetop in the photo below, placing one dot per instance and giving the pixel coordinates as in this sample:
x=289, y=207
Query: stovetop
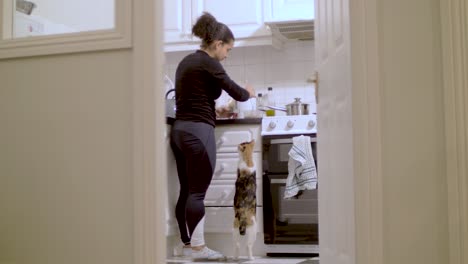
x=289, y=125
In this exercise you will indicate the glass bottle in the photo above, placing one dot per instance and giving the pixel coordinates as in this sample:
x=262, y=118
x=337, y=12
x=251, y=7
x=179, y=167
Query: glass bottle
x=271, y=102
x=260, y=103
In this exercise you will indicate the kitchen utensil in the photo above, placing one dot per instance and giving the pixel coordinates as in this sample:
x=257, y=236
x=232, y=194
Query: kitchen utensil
x=294, y=108
x=170, y=104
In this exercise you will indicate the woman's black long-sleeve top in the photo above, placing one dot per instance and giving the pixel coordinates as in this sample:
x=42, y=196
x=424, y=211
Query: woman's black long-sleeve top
x=200, y=80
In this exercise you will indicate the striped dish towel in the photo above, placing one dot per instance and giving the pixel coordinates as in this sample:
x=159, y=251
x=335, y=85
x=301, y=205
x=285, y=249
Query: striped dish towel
x=302, y=173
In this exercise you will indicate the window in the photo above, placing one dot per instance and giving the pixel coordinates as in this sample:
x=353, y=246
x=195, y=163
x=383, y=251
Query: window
x=39, y=27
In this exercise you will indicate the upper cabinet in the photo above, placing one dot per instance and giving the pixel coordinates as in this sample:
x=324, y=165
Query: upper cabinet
x=288, y=10
x=244, y=17
x=177, y=21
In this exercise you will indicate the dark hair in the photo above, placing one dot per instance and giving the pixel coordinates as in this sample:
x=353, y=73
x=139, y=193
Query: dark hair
x=208, y=29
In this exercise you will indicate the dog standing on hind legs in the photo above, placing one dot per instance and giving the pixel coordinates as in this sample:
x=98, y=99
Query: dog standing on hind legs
x=245, y=201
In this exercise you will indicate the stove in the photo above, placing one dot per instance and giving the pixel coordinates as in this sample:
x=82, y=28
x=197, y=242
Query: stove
x=290, y=225
x=289, y=125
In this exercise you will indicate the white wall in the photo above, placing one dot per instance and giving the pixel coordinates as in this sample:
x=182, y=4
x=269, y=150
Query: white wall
x=66, y=159
x=285, y=70
x=414, y=184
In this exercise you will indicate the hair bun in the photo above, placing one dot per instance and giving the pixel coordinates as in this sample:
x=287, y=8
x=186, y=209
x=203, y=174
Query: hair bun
x=205, y=27
x=208, y=29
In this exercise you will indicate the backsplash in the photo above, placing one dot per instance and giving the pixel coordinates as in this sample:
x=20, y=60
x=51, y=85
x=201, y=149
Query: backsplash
x=286, y=70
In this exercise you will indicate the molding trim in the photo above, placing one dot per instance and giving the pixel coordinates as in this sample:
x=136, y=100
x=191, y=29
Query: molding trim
x=120, y=37
x=149, y=160
x=6, y=14
x=455, y=68
x=366, y=83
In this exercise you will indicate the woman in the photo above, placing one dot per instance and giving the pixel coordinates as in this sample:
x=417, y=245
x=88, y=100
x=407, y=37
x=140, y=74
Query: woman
x=200, y=79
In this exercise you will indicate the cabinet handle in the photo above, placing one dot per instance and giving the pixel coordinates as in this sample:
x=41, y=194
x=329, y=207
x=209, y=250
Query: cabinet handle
x=222, y=167
x=221, y=140
x=224, y=194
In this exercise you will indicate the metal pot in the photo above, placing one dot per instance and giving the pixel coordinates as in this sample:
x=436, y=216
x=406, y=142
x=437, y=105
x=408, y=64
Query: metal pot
x=297, y=108
x=294, y=108
x=170, y=104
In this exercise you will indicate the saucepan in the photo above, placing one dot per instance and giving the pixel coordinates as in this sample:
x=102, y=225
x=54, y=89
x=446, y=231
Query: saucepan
x=294, y=108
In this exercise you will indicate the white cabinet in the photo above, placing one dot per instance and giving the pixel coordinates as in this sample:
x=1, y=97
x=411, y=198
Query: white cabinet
x=244, y=17
x=173, y=187
x=222, y=187
x=287, y=10
x=229, y=137
x=177, y=21
x=220, y=195
x=221, y=219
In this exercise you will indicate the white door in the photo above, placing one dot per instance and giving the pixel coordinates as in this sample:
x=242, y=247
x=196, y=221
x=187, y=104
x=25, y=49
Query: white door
x=335, y=148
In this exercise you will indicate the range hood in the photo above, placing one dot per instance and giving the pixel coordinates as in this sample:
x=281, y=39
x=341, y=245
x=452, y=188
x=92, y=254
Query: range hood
x=292, y=30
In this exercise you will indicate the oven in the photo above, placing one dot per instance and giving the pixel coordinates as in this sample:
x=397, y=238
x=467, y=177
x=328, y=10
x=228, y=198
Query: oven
x=290, y=225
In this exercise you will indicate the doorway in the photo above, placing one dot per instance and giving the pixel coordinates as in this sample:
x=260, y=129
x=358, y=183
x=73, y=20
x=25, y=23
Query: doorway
x=367, y=139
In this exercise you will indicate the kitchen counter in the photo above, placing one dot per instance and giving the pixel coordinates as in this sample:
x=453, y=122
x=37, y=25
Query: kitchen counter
x=234, y=121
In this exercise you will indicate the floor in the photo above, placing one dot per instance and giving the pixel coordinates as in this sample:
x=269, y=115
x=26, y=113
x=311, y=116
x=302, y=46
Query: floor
x=259, y=260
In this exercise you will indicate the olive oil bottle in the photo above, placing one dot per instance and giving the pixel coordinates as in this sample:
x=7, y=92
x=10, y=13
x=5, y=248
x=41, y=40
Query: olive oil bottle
x=270, y=102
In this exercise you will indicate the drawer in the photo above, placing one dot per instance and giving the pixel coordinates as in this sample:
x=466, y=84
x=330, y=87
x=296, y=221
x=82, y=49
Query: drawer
x=226, y=166
x=221, y=219
x=229, y=137
x=221, y=193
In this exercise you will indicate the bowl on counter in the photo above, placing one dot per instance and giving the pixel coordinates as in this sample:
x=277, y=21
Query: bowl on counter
x=227, y=115
x=253, y=113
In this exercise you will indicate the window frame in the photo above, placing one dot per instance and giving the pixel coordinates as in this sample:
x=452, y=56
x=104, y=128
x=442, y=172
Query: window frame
x=118, y=37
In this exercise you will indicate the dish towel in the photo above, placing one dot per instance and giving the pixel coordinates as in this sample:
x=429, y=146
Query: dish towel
x=302, y=173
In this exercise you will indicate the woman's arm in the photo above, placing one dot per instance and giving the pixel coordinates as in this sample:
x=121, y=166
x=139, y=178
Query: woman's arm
x=223, y=80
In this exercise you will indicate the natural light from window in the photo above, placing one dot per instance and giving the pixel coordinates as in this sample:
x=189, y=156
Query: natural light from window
x=25, y=18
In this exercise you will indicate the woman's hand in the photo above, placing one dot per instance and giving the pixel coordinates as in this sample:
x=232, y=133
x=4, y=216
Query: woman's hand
x=225, y=112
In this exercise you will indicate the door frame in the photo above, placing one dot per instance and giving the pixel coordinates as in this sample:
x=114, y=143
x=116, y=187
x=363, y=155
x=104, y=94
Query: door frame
x=455, y=82
x=149, y=157
x=366, y=101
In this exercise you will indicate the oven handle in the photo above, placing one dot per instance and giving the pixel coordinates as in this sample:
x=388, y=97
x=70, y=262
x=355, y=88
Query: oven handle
x=288, y=140
x=278, y=181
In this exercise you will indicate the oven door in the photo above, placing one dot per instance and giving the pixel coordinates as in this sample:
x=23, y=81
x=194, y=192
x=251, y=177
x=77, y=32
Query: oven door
x=286, y=221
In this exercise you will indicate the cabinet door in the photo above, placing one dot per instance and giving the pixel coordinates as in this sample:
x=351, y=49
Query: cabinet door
x=229, y=137
x=173, y=187
x=222, y=194
x=227, y=163
x=221, y=220
x=177, y=21
x=244, y=17
x=284, y=10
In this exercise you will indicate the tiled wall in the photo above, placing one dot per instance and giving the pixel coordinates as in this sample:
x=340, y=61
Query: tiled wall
x=285, y=70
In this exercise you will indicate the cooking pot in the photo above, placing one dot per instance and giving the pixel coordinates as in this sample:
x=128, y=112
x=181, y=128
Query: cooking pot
x=170, y=104
x=294, y=108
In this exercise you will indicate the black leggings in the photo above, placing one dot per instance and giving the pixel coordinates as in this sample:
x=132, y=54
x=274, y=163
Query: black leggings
x=194, y=149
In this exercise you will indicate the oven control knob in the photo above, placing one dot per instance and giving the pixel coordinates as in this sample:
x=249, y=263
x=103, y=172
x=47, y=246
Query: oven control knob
x=311, y=123
x=290, y=124
x=272, y=124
